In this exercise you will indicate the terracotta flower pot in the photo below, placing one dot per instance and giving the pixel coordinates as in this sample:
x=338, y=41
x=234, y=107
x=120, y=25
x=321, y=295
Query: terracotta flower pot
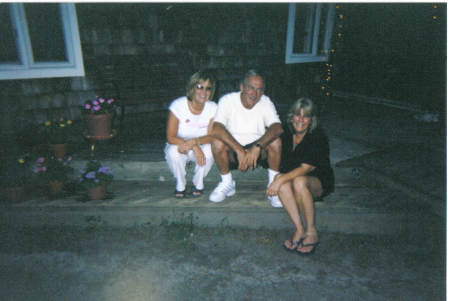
x=59, y=150
x=97, y=193
x=99, y=125
x=56, y=187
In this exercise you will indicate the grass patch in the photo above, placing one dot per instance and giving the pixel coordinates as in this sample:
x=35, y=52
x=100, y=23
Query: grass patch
x=180, y=227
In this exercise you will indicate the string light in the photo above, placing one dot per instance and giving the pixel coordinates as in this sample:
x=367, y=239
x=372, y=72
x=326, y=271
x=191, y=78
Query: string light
x=339, y=27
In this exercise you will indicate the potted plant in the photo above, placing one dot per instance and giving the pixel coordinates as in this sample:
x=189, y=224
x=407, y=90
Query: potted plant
x=94, y=177
x=98, y=114
x=15, y=176
x=54, y=171
x=57, y=134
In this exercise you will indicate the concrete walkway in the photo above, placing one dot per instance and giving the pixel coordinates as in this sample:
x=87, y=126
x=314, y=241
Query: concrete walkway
x=386, y=180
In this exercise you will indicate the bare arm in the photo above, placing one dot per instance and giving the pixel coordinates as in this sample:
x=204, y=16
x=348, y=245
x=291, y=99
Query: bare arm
x=273, y=132
x=221, y=133
x=184, y=146
x=172, y=130
x=281, y=179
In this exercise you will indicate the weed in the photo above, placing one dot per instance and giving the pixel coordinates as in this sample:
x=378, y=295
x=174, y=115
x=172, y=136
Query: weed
x=91, y=218
x=180, y=227
x=222, y=227
x=92, y=222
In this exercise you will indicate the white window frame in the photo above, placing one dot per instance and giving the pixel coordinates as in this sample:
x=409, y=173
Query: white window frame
x=316, y=54
x=28, y=68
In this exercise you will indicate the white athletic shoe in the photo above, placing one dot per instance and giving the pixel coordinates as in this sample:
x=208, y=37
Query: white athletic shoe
x=222, y=190
x=275, y=201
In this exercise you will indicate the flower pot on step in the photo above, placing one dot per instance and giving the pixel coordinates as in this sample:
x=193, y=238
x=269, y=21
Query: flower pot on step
x=97, y=193
x=99, y=125
x=55, y=187
x=59, y=150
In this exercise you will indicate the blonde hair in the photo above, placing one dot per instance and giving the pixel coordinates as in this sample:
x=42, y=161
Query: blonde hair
x=309, y=107
x=199, y=76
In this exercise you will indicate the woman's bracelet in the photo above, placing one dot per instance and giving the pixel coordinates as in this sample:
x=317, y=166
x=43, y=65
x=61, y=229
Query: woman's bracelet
x=198, y=140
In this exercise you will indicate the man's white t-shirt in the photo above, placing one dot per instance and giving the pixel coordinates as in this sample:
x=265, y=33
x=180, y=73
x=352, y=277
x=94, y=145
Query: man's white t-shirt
x=246, y=125
x=190, y=125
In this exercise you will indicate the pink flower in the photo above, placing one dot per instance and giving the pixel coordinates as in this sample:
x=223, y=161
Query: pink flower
x=101, y=100
x=95, y=103
x=110, y=101
x=87, y=106
x=96, y=108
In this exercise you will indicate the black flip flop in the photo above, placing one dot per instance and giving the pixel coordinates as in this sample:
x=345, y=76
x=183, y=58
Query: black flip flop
x=314, y=245
x=179, y=194
x=296, y=243
x=198, y=192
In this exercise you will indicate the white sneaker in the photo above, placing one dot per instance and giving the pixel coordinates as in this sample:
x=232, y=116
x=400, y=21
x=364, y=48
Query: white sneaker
x=275, y=201
x=222, y=190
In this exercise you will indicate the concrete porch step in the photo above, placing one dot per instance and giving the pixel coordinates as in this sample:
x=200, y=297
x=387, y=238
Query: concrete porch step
x=349, y=209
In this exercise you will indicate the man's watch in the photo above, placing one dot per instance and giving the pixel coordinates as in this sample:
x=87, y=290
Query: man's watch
x=259, y=145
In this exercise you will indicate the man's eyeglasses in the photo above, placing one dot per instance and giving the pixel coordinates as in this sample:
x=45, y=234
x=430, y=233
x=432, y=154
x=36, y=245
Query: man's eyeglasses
x=200, y=87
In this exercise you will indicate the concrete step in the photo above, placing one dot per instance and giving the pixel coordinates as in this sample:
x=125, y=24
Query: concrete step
x=159, y=171
x=349, y=209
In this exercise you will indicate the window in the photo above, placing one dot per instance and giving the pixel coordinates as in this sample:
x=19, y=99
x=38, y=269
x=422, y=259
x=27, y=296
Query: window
x=310, y=28
x=39, y=40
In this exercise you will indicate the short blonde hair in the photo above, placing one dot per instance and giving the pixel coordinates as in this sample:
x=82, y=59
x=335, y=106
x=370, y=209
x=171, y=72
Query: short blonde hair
x=199, y=76
x=310, y=109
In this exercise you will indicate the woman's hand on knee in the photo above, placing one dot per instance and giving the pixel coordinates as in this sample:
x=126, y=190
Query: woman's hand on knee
x=199, y=155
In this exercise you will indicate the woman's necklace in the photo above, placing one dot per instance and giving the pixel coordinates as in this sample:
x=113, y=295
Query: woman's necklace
x=298, y=142
x=192, y=109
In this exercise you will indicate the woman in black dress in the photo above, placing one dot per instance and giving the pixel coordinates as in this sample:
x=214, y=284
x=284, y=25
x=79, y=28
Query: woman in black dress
x=305, y=174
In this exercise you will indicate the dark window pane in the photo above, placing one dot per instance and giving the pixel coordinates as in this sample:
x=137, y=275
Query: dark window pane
x=46, y=32
x=8, y=47
x=304, y=28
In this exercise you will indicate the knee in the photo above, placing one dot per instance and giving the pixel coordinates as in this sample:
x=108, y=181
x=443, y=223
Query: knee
x=218, y=146
x=300, y=183
x=277, y=176
x=206, y=149
x=172, y=153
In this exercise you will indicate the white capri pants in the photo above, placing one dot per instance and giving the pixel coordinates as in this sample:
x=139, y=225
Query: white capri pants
x=177, y=164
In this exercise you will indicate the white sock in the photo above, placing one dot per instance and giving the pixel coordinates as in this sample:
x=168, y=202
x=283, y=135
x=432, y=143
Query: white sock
x=272, y=174
x=227, y=178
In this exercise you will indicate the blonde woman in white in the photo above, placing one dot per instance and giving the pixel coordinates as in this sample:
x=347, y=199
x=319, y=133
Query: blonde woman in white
x=189, y=132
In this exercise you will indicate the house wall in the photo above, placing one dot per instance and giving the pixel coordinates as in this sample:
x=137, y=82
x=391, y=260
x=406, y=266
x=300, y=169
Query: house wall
x=152, y=49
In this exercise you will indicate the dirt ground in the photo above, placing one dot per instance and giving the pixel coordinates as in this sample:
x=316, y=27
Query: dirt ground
x=182, y=260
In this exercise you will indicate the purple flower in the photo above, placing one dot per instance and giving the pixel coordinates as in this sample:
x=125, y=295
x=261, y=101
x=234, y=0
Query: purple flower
x=90, y=175
x=101, y=100
x=105, y=170
x=95, y=103
x=96, y=108
x=40, y=160
x=110, y=101
x=87, y=106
